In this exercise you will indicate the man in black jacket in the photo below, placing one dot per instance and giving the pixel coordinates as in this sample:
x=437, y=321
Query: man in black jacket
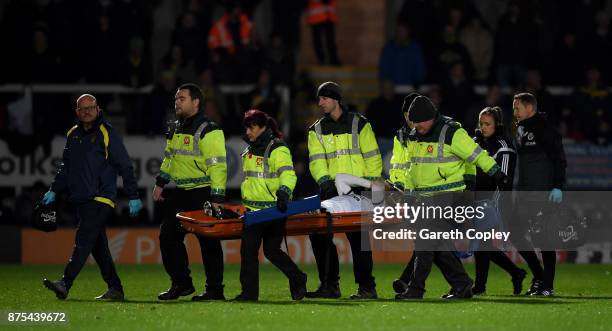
x=541, y=177
x=93, y=158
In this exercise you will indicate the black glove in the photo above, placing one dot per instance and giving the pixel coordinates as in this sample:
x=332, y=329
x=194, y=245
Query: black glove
x=478, y=137
x=328, y=190
x=282, y=199
x=503, y=182
x=470, y=185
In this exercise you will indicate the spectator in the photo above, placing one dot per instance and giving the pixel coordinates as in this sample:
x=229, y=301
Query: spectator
x=493, y=97
x=454, y=20
x=322, y=18
x=599, y=44
x=603, y=136
x=286, y=22
x=43, y=64
x=101, y=61
x=214, y=100
x=162, y=103
x=231, y=32
x=263, y=97
x=566, y=51
x=137, y=67
x=280, y=61
x=479, y=43
x=189, y=36
x=435, y=95
x=590, y=103
x=513, y=43
x=422, y=16
x=383, y=112
x=235, y=52
x=458, y=93
x=546, y=102
x=450, y=52
x=401, y=60
x=175, y=61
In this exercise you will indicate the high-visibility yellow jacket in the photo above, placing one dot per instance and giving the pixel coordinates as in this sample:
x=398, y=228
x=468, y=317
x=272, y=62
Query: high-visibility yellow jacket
x=195, y=157
x=344, y=146
x=399, y=160
x=438, y=159
x=268, y=168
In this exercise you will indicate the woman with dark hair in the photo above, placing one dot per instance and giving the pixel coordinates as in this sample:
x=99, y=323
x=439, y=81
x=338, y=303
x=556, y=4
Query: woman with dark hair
x=490, y=136
x=269, y=180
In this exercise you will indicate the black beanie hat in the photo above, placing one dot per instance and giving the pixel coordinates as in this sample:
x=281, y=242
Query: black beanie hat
x=408, y=100
x=421, y=110
x=330, y=90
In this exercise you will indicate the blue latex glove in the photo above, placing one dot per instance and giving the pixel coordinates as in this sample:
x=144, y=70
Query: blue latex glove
x=135, y=207
x=48, y=198
x=555, y=195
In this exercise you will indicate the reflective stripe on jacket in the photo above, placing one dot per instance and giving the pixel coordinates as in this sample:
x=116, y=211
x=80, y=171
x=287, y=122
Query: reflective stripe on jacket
x=91, y=161
x=438, y=159
x=344, y=146
x=319, y=12
x=268, y=168
x=195, y=156
x=399, y=160
x=220, y=36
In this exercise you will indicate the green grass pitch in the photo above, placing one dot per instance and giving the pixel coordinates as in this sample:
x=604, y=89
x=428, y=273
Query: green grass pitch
x=583, y=301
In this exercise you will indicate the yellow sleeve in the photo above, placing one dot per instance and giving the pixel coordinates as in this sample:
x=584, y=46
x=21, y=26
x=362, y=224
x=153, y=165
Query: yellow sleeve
x=213, y=147
x=399, y=165
x=318, y=162
x=164, y=170
x=370, y=152
x=282, y=165
x=467, y=149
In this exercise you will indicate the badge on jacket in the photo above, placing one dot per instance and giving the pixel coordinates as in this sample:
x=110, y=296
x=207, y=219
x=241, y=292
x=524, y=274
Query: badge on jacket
x=186, y=140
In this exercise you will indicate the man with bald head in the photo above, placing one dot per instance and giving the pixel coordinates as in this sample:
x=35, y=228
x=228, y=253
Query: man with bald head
x=93, y=157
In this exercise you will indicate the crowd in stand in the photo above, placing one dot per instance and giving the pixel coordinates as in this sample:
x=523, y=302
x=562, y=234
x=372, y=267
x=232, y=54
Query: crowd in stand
x=517, y=45
x=98, y=41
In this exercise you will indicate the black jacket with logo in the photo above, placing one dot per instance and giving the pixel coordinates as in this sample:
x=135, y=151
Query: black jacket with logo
x=502, y=150
x=541, y=157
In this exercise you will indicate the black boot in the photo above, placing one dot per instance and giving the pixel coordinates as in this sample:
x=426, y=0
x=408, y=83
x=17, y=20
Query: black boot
x=175, y=291
x=112, y=294
x=364, y=294
x=479, y=290
x=409, y=295
x=536, y=287
x=399, y=286
x=464, y=292
x=326, y=290
x=210, y=294
x=517, y=282
x=58, y=287
x=297, y=287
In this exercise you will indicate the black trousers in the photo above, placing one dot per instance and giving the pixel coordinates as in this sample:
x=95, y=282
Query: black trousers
x=324, y=39
x=172, y=235
x=518, y=229
x=409, y=269
x=482, y=258
x=326, y=257
x=438, y=251
x=450, y=266
x=271, y=233
x=91, y=239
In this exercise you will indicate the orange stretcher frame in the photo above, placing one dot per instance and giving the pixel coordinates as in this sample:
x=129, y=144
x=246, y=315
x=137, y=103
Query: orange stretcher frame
x=204, y=225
